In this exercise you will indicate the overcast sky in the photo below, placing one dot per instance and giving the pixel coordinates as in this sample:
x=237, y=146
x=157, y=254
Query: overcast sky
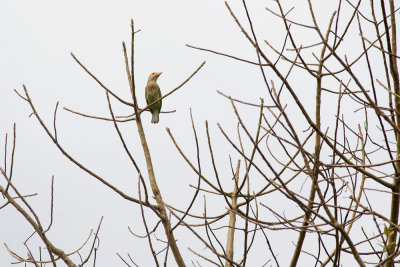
x=37, y=38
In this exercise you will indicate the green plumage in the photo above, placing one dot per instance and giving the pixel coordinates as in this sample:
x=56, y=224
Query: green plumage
x=152, y=93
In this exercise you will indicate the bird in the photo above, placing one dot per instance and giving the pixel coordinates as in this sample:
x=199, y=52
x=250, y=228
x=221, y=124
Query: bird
x=152, y=93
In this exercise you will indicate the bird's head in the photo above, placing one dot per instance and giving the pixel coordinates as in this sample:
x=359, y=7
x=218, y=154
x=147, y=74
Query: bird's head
x=154, y=76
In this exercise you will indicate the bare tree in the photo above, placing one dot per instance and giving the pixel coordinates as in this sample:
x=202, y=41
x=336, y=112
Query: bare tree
x=344, y=150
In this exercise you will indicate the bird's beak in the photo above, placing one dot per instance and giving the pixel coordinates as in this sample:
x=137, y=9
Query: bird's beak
x=158, y=74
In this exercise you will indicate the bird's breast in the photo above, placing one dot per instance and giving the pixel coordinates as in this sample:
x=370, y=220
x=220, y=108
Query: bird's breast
x=152, y=88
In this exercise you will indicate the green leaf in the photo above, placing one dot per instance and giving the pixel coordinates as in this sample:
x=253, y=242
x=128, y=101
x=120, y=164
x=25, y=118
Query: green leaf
x=391, y=244
x=386, y=231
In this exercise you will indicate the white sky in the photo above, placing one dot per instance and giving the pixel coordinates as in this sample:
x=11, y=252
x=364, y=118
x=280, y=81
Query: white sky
x=36, y=40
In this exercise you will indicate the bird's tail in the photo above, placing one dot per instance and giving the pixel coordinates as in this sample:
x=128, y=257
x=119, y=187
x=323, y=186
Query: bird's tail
x=155, y=118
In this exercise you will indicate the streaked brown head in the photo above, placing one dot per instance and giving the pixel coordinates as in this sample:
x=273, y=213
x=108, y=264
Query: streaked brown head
x=154, y=76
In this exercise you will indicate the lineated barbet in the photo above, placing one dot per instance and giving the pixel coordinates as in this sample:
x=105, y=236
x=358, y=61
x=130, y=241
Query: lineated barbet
x=152, y=93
